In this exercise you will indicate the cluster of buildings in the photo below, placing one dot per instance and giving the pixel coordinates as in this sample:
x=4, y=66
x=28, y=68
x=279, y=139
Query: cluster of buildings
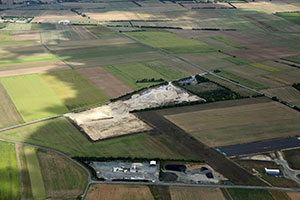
x=12, y=20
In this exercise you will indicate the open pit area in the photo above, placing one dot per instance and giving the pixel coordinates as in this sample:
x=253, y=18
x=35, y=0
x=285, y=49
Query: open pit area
x=115, y=119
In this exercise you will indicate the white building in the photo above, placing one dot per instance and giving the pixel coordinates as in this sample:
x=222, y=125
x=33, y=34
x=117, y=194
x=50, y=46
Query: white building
x=272, y=172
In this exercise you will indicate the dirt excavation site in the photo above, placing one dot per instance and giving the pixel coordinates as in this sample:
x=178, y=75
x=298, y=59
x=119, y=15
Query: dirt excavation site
x=115, y=119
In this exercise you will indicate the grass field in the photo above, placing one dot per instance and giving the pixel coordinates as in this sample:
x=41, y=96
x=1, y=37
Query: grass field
x=259, y=167
x=292, y=17
x=241, y=80
x=237, y=61
x=25, y=183
x=36, y=179
x=242, y=194
x=16, y=43
x=32, y=97
x=229, y=42
x=8, y=172
x=73, y=89
x=60, y=134
x=116, y=192
x=131, y=72
x=5, y=35
x=8, y=113
x=62, y=178
x=295, y=59
x=293, y=158
x=192, y=193
x=171, y=42
x=27, y=60
x=237, y=121
x=279, y=195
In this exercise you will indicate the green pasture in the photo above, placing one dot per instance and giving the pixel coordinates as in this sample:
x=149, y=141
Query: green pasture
x=73, y=89
x=290, y=16
x=170, y=42
x=32, y=97
x=241, y=80
x=237, y=61
x=16, y=43
x=229, y=42
x=295, y=59
x=131, y=72
x=36, y=179
x=60, y=134
x=9, y=177
x=43, y=26
x=5, y=36
x=249, y=194
x=28, y=60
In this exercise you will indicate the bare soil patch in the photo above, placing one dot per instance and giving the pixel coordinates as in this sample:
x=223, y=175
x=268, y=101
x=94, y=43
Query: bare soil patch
x=294, y=195
x=192, y=193
x=110, y=85
x=113, y=16
x=56, y=15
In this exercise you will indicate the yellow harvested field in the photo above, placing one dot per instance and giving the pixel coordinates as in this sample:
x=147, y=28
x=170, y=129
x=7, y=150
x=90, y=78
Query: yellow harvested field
x=113, y=15
x=294, y=195
x=26, y=35
x=221, y=124
x=268, y=6
x=33, y=68
x=56, y=15
x=117, y=192
x=192, y=193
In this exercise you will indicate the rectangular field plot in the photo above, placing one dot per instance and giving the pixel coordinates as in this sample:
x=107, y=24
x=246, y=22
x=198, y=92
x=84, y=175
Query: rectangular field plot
x=192, y=193
x=115, y=192
x=73, y=89
x=9, y=177
x=34, y=170
x=288, y=94
x=132, y=72
x=63, y=136
x=8, y=113
x=32, y=97
x=110, y=85
x=171, y=42
x=62, y=178
x=242, y=194
x=247, y=120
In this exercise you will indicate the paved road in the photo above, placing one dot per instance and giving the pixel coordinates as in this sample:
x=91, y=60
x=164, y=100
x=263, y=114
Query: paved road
x=260, y=146
x=291, y=174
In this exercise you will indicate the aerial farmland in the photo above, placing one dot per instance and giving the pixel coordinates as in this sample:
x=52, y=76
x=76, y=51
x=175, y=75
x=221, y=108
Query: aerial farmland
x=204, y=93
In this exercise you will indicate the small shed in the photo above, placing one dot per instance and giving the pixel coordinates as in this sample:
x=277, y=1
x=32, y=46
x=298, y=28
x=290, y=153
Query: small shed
x=153, y=163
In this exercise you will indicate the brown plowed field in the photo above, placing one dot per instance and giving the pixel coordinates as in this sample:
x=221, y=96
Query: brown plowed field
x=117, y=192
x=192, y=193
x=110, y=85
x=83, y=33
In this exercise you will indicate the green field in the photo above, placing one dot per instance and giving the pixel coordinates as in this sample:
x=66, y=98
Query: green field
x=295, y=59
x=243, y=194
x=36, y=179
x=28, y=60
x=131, y=72
x=292, y=17
x=16, y=43
x=61, y=135
x=229, y=42
x=73, y=89
x=5, y=35
x=237, y=61
x=240, y=80
x=8, y=113
x=9, y=177
x=33, y=99
x=170, y=42
x=61, y=175
x=43, y=26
